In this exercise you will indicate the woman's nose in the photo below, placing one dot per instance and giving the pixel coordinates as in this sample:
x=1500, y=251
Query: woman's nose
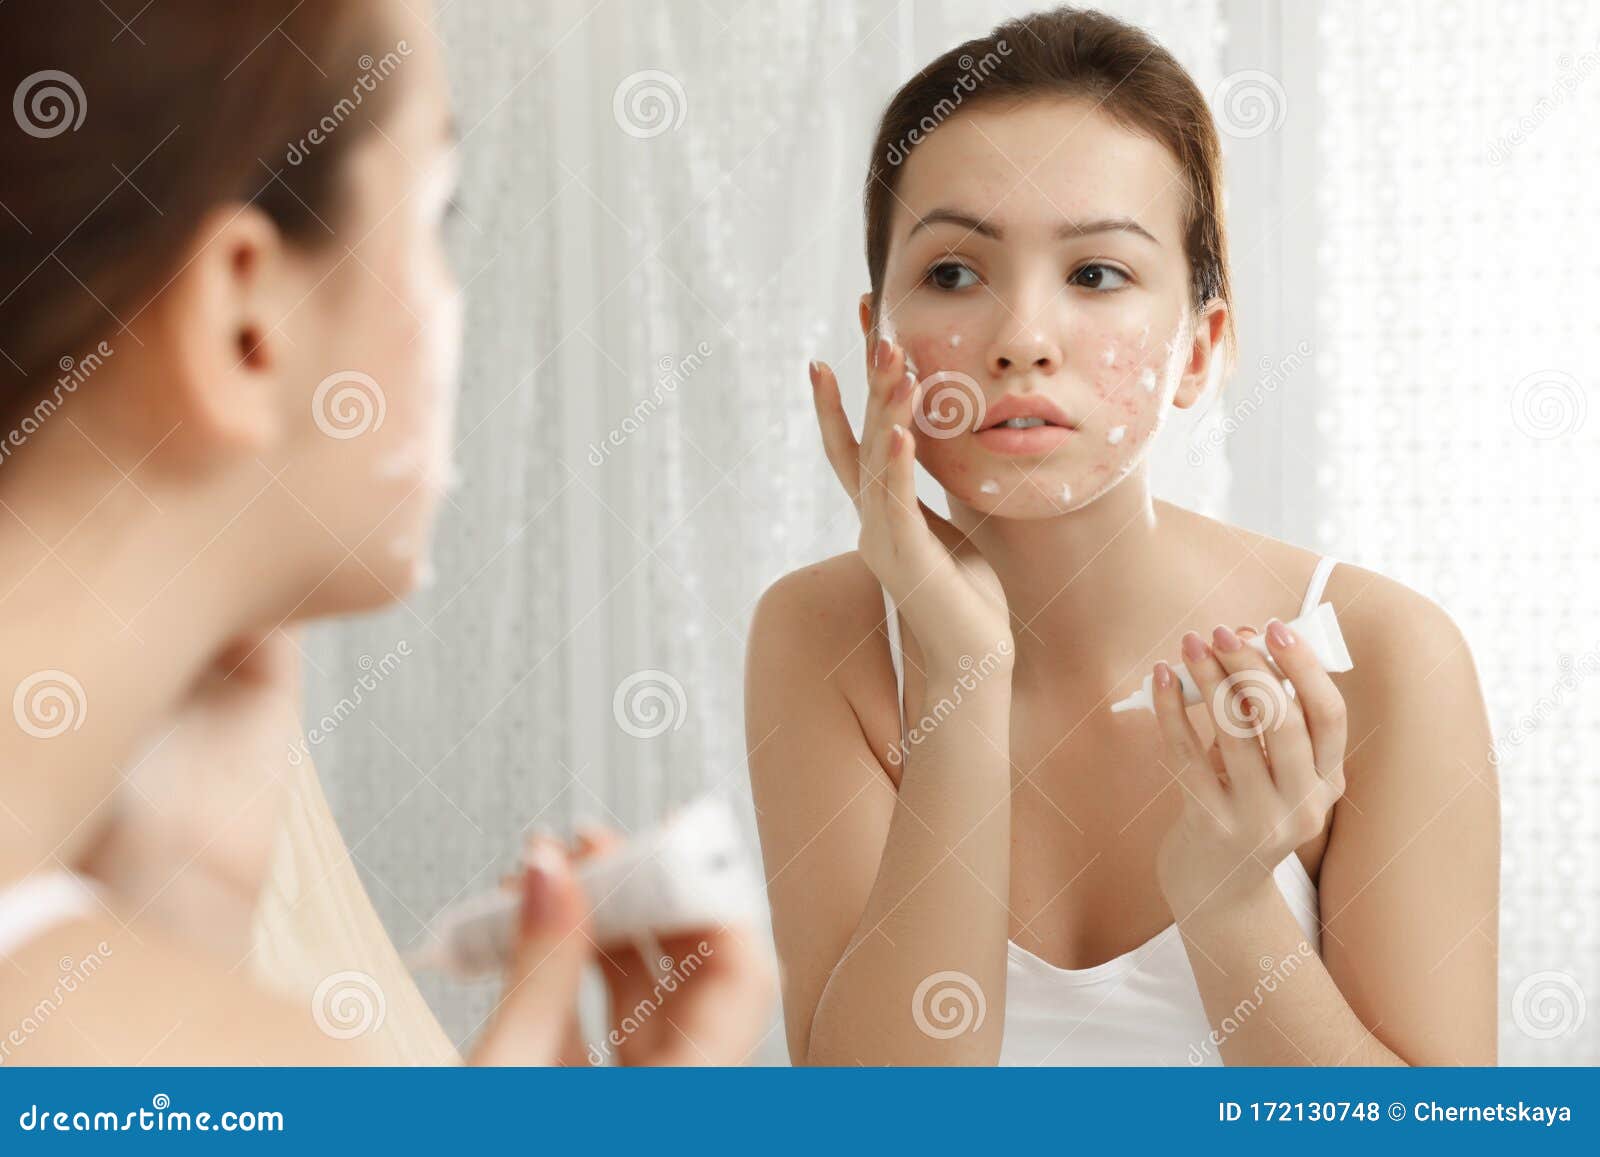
x=1023, y=348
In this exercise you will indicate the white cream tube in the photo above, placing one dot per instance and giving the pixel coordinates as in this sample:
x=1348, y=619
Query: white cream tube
x=1319, y=629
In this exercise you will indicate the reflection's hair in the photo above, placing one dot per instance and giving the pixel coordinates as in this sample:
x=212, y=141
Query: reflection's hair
x=1074, y=53
x=121, y=140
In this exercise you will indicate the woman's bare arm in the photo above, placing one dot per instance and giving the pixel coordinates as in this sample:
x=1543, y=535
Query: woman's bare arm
x=889, y=909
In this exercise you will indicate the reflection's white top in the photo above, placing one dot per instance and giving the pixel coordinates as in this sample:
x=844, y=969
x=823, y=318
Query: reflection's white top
x=1140, y=1008
x=34, y=905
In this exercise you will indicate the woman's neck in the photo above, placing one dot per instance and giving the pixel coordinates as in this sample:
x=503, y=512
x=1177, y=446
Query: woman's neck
x=115, y=594
x=1081, y=586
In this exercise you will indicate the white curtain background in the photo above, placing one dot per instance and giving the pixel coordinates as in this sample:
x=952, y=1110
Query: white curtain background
x=662, y=224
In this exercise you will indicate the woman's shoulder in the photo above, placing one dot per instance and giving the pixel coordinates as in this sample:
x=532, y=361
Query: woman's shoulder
x=1378, y=615
x=824, y=624
x=829, y=611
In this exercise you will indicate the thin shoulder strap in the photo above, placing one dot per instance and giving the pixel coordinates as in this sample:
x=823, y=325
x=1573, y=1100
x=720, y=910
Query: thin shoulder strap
x=1319, y=579
x=892, y=621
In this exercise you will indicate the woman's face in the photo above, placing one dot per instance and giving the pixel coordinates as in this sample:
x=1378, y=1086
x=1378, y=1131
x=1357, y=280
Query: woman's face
x=375, y=346
x=1037, y=257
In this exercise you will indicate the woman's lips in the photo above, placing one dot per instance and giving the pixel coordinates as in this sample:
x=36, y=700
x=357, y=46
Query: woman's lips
x=1032, y=440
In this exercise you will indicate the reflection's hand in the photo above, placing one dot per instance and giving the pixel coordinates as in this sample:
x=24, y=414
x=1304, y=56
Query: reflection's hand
x=709, y=1006
x=536, y=1021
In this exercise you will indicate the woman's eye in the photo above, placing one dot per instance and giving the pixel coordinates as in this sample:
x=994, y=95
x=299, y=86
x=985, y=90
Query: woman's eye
x=1095, y=277
x=948, y=275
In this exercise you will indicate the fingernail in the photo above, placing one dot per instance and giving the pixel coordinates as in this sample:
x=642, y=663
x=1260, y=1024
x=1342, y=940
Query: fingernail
x=545, y=867
x=1279, y=633
x=1164, y=677
x=1225, y=640
x=880, y=353
x=899, y=438
x=1193, y=648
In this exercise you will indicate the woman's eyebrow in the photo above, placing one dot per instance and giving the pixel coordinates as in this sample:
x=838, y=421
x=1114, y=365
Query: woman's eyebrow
x=1064, y=231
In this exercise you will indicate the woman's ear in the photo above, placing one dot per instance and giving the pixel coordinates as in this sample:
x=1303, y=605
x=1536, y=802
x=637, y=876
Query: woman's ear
x=866, y=314
x=212, y=332
x=1206, y=345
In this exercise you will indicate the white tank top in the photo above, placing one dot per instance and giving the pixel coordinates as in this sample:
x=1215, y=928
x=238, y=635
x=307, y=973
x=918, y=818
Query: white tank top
x=35, y=904
x=1140, y=1008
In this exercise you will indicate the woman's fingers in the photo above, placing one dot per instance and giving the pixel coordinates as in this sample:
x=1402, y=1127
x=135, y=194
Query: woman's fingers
x=1322, y=705
x=1248, y=774
x=1275, y=716
x=838, y=440
x=885, y=374
x=1194, y=770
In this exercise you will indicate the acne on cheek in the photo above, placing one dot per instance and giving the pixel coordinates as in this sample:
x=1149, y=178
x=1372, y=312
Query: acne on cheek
x=929, y=353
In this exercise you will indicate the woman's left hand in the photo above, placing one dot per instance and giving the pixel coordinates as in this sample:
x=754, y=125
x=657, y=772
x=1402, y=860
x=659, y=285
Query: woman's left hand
x=1267, y=783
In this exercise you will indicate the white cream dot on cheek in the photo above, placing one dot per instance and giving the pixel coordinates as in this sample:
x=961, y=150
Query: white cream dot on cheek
x=989, y=486
x=1148, y=380
x=955, y=340
x=1066, y=493
x=1109, y=356
x=1114, y=435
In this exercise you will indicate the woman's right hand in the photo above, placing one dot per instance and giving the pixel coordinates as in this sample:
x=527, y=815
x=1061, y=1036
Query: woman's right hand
x=949, y=595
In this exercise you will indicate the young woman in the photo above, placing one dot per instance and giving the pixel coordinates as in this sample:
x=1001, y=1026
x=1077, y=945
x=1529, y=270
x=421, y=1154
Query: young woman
x=970, y=858
x=229, y=331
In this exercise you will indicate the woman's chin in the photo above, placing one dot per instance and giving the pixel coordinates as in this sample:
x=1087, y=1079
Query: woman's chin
x=1023, y=495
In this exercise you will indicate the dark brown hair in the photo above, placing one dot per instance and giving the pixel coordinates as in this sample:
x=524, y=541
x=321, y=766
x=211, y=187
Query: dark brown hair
x=1064, y=52
x=122, y=137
